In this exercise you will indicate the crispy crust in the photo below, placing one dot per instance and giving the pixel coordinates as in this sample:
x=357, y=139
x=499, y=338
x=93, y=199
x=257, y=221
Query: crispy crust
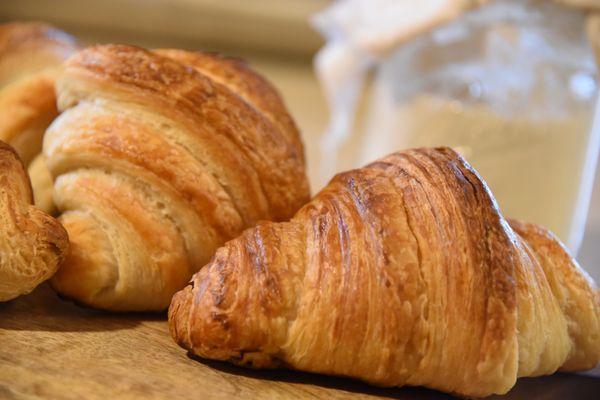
x=157, y=164
x=403, y=272
x=32, y=244
x=576, y=292
x=239, y=77
x=184, y=94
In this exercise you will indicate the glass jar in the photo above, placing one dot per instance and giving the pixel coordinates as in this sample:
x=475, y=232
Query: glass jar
x=512, y=87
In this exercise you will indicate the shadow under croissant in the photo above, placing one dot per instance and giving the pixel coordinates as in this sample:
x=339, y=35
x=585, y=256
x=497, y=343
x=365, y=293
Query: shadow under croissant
x=331, y=382
x=558, y=386
x=44, y=310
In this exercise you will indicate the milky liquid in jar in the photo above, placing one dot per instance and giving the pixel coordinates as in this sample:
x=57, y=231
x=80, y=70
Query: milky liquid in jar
x=510, y=91
x=533, y=167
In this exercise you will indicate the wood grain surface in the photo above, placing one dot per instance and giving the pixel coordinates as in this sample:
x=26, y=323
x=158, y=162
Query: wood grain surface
x=53, y=349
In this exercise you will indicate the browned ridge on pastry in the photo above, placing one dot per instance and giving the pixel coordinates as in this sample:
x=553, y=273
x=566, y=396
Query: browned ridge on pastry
x=403, y=272
x=237, y=75
x=159, y=158
x=30, y=55
x=32, y=244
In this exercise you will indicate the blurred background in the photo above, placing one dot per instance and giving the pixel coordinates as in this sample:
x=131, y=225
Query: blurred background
x=276, y=37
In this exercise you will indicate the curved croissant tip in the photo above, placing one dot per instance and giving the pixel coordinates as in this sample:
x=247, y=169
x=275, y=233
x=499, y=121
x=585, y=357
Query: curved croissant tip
x=179, y=311
x=33, y=244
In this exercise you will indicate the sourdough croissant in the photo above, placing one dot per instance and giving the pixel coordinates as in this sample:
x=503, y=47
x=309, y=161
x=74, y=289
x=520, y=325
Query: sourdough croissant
x=399, y=273
x=30, y=54
x=158, y=160
x=32, y=244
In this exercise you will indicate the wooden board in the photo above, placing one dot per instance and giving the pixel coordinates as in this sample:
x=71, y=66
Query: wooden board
x=53, y=349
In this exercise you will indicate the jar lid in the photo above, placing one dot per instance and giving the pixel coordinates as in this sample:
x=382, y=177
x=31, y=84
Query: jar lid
x=378, y=26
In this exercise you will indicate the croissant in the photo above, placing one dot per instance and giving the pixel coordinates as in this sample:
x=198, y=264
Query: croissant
x=158, y=159
x=403, y=272
x=32, y=244
x=30, y=55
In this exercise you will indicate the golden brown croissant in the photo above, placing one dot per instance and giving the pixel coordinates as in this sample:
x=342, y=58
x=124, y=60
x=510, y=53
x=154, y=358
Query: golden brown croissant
x=32, y=244
x=158, y=160
x=403, y=272
x=30, y=54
